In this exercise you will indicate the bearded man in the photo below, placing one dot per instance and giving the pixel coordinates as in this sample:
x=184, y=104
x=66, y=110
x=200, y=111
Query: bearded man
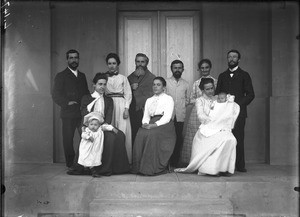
x=178, y=88
x=69, y=87
x=141, y=81
x=237, y=82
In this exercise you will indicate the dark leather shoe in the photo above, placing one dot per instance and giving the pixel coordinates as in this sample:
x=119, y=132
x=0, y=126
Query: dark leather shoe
x=94, y=173
x=243, y=170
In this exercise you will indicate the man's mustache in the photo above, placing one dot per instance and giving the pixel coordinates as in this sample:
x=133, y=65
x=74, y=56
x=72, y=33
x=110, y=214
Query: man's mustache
x=141, y=67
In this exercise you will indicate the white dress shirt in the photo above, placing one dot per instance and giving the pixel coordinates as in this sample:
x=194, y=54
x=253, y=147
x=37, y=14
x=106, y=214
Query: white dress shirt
x=162, y=104
x=180, y=94
x=232, y=70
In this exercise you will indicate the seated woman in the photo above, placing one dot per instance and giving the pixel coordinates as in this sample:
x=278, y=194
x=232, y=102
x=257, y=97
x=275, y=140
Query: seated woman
x=156, y=138
x=114, y=155
x=213, y=149
x=193, y=123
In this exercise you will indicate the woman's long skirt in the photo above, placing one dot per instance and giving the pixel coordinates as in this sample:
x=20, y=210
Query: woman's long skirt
x=114, y=156
x=123, y=124
x=211, y=155
x=152, y=149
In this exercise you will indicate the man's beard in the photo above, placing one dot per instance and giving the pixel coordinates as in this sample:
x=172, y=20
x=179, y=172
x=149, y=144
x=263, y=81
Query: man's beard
x=177, y=75
x=140, y=70
x=231, y=66
x=73, y=65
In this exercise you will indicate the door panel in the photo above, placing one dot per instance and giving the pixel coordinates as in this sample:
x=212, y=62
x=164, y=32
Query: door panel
x=180, y=40
x=138, y=34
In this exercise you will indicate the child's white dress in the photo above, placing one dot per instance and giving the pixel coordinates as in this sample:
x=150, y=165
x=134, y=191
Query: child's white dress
x=90, y=153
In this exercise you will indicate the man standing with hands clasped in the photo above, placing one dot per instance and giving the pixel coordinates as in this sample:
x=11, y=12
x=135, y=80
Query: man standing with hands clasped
x=178, y=88
x=69, y=87
x=237, y=82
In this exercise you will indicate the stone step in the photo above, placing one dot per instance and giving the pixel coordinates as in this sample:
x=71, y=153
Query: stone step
x=160, y=190
x=161, y=208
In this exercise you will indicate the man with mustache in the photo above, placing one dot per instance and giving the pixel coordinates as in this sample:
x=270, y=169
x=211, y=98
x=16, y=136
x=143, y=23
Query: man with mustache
x=141, y=81
x=178, y=88
x=69, y=87
x=237, y=82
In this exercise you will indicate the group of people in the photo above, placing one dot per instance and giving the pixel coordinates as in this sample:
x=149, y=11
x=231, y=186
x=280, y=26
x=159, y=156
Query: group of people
x=135, y=124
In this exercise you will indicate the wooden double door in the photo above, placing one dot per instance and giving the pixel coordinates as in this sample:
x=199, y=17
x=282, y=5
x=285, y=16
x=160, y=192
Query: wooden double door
x=163, y=37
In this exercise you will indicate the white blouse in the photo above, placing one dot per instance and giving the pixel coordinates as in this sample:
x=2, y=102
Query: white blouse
x=204, y=105
x=119, y=84
x=162, y=104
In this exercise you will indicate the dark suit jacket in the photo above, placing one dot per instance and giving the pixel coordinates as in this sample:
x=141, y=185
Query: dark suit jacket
x=143, y=92
x=240, y=85
x=67, y=87
x=108, y=107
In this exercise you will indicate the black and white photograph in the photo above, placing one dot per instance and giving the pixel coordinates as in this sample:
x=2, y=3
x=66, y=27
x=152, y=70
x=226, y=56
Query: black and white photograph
x=149, y=108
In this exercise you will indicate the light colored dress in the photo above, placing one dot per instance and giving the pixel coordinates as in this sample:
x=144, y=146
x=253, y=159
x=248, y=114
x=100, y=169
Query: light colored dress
x=118, y=88
x=90, y=153
x=214, y=146
x=193, y=122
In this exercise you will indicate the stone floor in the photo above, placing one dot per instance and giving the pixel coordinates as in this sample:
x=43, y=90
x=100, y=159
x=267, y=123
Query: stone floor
x=45, y=190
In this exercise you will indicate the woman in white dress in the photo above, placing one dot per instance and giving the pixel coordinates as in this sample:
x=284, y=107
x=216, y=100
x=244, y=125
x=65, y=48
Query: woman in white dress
x=214, y=146
x=118, y=88
x=193, y=123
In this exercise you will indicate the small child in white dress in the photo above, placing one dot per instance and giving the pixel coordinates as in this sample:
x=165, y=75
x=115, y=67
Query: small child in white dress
x=92, y=138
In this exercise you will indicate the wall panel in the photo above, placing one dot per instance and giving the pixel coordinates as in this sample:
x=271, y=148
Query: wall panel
x=27, y=107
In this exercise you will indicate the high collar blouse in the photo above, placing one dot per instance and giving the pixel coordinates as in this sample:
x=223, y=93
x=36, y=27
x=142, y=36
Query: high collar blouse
x=162, y=104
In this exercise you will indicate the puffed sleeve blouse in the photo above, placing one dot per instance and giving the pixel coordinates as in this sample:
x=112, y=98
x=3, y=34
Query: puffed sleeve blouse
x=162, y=104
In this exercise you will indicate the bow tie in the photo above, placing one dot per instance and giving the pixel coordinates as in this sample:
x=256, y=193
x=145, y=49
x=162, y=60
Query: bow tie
x=232, y=73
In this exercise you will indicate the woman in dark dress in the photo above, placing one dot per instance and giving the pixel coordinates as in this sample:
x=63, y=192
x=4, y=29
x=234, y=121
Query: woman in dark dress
x=156, y=138
x=114, y=156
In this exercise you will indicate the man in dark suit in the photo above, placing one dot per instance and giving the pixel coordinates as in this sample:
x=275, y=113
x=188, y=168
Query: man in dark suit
x=69, y=87
x=237, y=82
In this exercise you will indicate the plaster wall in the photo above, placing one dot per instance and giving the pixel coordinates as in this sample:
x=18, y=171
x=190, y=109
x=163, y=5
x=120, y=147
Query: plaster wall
x=284, y=101
x=27, y=109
